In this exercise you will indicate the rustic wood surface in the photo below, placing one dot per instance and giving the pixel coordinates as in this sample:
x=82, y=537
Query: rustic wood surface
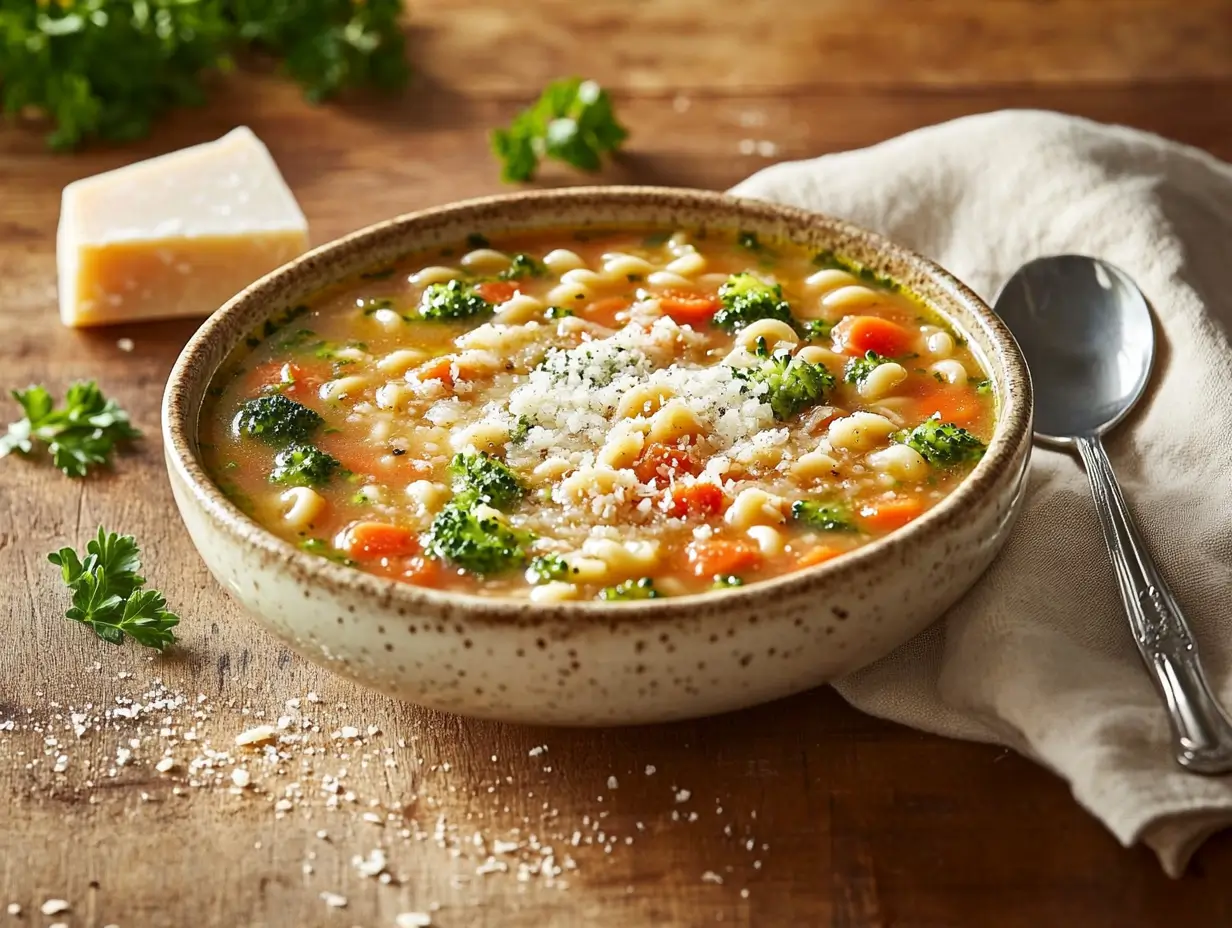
x=809, y=813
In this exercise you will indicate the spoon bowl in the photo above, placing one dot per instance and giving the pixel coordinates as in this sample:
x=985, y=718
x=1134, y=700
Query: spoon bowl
x=1089, y=340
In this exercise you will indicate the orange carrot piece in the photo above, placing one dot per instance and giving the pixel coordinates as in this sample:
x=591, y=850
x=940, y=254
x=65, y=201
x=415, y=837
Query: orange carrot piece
x=818, y=555
x=859, y=334
x=497, y=291
x=721, y=556
x=604, y=311
x=688, y=307
x=700, y=499
x=423, y=571
x=380, y=539
x=663, y=462
x=887, y=515
x=437, y=369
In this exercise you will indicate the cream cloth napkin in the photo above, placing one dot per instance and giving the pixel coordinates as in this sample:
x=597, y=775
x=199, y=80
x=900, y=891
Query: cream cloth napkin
x=1038, y=656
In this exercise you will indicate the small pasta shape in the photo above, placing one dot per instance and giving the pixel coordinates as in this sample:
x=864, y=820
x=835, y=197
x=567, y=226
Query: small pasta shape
x=560, y=260
x=851, y=297
x=428, y=496
x=519, y=309
x=585, y=569
x=815, y=354
x=623, y=445
x=881, y=380
x=482, y=258
x=400, y=361
x=371, y=493
x=756, y=507
x=900, y=462
x=435, y=275
x=828, y=279
x=668, y=279
x=643, y=400
x=950, y=370
x=689, y=264
x=673, y=422
x=618, y=265
x=342, y=387
x=480, y=436
x=303, y=505
x=499, y=338
x=552, y=469
x=861, y=431
x=394, y=395
x=939, y=344
x=769, y=540
x=476, y=362
x=624, y=557
x=679, y=244
x=554, y=591
x=583, y=276
x=774, y=331
x=594, y=481
x=387, y=319
x=567, y=294
x=814, y=465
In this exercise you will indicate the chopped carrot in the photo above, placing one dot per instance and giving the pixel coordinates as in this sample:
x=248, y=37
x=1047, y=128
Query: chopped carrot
x=887, y=515
x=955, y=403
x=663, y=462
x=290, y=377
x=437, y=369
x=859, y=334
x=816, y=556
x=380, y=539
x=604, y=311
x=423, y=571
x=721, y=556
x=688, y=307
x=497, y=291
x=700, y=499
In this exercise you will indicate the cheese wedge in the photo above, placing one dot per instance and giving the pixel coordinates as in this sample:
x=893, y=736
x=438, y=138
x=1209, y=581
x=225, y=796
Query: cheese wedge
x=177, y=235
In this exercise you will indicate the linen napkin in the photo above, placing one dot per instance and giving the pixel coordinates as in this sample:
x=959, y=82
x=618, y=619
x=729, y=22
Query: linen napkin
x=1038, y=656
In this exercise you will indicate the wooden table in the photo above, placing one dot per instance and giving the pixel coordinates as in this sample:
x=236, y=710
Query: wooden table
x=801, y=813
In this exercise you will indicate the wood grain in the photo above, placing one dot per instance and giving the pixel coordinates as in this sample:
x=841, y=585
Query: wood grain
x=853, y=822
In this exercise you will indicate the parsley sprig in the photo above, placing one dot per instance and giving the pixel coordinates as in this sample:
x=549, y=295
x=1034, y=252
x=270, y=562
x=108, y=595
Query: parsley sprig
x=572, y=121
x=79, y=435
x=107, y=593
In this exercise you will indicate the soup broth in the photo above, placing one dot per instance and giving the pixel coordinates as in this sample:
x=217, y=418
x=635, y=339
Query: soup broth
x=614, y=415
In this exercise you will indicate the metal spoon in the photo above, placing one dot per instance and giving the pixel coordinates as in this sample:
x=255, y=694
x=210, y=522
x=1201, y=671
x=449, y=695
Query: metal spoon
x=1089, y=341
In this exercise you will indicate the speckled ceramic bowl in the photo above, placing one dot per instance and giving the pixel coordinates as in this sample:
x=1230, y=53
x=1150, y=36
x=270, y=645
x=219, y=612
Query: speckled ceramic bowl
x=593, y=663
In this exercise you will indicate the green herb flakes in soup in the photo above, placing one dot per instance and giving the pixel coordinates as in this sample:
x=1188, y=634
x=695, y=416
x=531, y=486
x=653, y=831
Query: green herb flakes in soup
x=615, y=416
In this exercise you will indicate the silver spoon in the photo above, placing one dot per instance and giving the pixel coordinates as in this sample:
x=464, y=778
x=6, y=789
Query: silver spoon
x=1089, y=341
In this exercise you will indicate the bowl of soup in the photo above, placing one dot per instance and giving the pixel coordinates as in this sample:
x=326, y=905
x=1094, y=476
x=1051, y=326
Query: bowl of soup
x=599, y=455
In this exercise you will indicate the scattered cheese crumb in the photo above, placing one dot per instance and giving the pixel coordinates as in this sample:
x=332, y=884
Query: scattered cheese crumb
x=650, y=770
x=334, y=901
x=612, y=783
x=55, y=907
x=124, y=344
x=711, y=877
x=413, y=920
x=683, y=795
x=240, y=777
x=371, y=866
x=258, y=735
x=13, y=908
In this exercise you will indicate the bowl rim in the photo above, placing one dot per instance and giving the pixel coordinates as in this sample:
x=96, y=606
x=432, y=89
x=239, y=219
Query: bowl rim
x=1011, y=430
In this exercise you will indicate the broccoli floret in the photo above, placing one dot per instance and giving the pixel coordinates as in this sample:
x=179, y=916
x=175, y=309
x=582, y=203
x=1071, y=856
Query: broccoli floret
x=982, y=387
x=486, y=479
x=522, y=266
x=303, y=466
x=546, y=568
x=817, y=330
x=630, y=590
x=942, y=444
x=276, y=419
x=859, y=368
x=793, y=384
x=726, y=582
x=521, y=428
x=454, y=300
x=476, y=541
x=826, y=517
x=746, y=299
x=322, y=548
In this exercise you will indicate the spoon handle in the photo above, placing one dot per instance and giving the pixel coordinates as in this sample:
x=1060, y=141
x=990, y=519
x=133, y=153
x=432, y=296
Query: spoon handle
x=1201, y=729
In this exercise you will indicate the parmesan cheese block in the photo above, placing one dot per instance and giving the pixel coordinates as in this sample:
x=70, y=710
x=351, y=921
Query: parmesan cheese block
x=177, y=235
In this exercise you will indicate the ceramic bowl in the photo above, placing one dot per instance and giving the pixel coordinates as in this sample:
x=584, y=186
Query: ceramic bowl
x=594, y=663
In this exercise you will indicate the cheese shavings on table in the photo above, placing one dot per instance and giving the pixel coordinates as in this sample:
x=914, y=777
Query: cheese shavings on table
x=175, y=236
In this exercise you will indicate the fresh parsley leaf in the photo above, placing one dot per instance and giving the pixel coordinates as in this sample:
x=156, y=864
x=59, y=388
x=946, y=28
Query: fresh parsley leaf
x=106, y=586
x=107, y=69
x=79, y=435
x=572, y=121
